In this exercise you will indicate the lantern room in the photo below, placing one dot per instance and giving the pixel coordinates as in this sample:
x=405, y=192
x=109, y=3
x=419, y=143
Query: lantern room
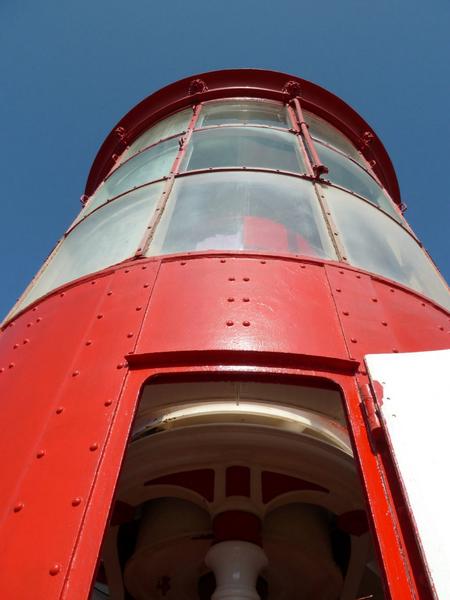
x=243, y=173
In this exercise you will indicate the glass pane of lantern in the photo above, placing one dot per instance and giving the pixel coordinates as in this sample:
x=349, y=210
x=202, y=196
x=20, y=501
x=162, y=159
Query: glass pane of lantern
x=147, y=166
x=376, y=243
x=243, y=147
x=176, y=123
x=108, y=236
x=243, y=211
x=235, y=112
x=323, y=131
x=347, y=174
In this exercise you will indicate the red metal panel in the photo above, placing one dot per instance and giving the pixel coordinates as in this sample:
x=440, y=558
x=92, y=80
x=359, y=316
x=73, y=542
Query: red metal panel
x=378, y=317
x=360, y=312
x=76, y=364
x=417, y=323
x=242, y=304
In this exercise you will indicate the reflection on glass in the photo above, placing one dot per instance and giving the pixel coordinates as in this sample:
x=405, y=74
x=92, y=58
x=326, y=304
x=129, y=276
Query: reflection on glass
x=242, y=211
x=176, y=123
x=235, y=112
x=376, y=243
x=323, y=131
x=108, y=236
x=345, y=173
x=143, y=168
x=243, y=147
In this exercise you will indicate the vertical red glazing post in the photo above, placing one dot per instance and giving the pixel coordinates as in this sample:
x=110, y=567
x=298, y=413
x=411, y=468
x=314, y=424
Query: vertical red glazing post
x=318, y=167
x=293, y=117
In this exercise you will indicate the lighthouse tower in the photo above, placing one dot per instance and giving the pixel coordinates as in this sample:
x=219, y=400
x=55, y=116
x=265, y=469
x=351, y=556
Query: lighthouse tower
x=222, y=384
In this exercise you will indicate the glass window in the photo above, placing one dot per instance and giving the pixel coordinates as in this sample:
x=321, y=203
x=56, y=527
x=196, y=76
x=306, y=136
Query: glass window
x=242, y=211
x=152, y=164
x=176, y=123
x=236, y=112
x=243, y=147
x=107, y=237
x=323, y=131
x=376, y=243
x=347, y=174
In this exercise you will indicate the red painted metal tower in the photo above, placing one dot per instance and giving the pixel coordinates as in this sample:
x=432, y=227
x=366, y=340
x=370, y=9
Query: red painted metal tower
x=187, y=410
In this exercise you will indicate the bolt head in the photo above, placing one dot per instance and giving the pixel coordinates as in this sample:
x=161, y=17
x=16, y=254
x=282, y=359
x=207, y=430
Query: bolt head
x=54, y=570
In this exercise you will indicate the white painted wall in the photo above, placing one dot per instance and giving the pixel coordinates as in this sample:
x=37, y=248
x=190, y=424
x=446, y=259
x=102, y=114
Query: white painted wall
x=415, y=411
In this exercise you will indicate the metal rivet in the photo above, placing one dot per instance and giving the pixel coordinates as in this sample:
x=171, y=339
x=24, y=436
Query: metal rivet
x=2, y=370
x=345, y=312
x=222, y=260
x=182, y=263
x=39, y=319
x=146, y=285
x=62, y=295
x=93, y=447
x=93, y=282
x=374, y=299
x=76, y=501
x=40, y=453
x=246, y=323
x=29, y=324
x=245, y=299
x=302, y=266
x=394, y=350
x=230, y=299
x=246, y=279
x=231, y=279
x=100, y=316
x=127, y=270
x=423, y=304
x=338, y=290
x=120, y=366
x=107, y=402
x=18, y=507
x=353, y=340
x=75, y=373
x=109, y=293
x=26, y=341
x=59, y=410
x=384, y=323
x=11, y=365
x=138, y=308
x=441, y=328
x=15, y=346
x=341, y=272
x=230, y=323
x=54, y=570
x=392, y=290
x=130, y=334
x=358, y=277
x=263, y=262
x=88, y=342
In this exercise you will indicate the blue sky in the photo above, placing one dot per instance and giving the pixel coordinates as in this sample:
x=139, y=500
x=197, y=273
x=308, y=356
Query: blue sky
x=70, y=69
